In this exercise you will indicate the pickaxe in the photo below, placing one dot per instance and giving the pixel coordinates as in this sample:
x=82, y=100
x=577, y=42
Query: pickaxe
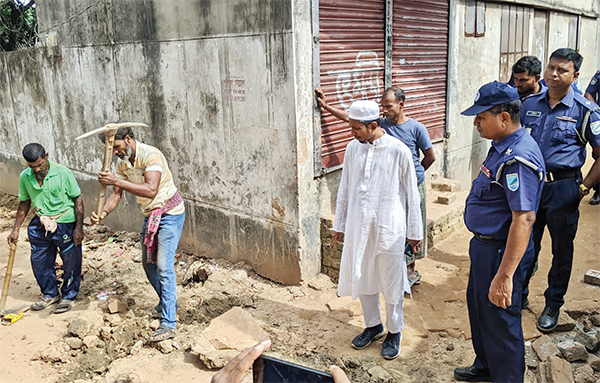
x=110, y=130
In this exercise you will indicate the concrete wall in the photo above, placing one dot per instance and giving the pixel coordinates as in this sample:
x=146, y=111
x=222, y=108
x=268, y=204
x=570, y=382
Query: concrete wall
x=216, y=83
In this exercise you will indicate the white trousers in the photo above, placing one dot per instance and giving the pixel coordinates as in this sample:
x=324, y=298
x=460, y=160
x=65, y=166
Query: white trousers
x=372, y=313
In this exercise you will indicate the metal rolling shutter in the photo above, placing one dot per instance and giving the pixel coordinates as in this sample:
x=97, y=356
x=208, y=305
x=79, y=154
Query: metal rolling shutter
x=420, y=60
x=351, y=48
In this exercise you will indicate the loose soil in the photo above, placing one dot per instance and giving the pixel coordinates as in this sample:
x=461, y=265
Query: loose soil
x=308, y=324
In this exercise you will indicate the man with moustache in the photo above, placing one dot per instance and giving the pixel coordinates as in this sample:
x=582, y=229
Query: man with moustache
x=526, y=76
x=561, y=122
x=57, y=226
x=142, y=170
x=414, y=135
x=500, y=211
x=377, y=211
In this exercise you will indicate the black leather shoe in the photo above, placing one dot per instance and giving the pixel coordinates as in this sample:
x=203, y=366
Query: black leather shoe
x=391, y=346
x=548, y=320
x=595, y=199
x=366, y=337
x=472, y=374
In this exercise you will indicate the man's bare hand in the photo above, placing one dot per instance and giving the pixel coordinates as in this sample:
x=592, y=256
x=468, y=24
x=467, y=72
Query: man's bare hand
x=107, y=178
x=415, y=244
x=337, y=237
x=235, y=371
x=96, y=219
x=321, y=98
x=501, y=289
x=13, y=237
x=78, y=235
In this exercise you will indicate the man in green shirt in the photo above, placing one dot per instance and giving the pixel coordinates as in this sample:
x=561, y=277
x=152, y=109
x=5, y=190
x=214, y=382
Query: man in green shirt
x=57, y=226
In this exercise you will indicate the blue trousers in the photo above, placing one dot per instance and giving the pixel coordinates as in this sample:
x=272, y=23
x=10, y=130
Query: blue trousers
x=43, y=255
x=497, y=334
x=162, y=274
x=559, y=210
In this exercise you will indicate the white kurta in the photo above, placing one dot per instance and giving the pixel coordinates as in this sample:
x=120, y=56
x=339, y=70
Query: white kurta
x=377, y=181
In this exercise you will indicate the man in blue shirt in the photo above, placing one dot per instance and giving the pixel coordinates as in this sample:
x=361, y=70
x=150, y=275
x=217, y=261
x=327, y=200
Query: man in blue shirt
x=414, y=135
x=591, y=93
x=500, y=211
x=526, y=74
x=561, y=122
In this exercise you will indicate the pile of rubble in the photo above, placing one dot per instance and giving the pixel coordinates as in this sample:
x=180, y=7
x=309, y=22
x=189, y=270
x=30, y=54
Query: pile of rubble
x=569, y=355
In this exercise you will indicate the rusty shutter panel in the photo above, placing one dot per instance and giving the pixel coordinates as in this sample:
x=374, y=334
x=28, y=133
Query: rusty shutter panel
x=420, y=60
x=351, y=41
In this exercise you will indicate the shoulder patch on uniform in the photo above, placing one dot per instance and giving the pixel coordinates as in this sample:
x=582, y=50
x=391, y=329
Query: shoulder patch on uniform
x=595, y=127
x=512, y=181
x=533, y=113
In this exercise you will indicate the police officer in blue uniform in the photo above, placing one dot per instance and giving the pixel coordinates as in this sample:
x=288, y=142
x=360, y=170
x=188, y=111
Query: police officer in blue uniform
x=500, y=211
x=592, y=93
x=561, y=122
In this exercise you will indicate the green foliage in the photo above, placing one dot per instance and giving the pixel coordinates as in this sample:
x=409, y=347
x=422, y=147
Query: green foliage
x=18, y=24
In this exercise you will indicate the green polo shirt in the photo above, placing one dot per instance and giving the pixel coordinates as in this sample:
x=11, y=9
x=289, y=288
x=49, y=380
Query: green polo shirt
x=55, y=195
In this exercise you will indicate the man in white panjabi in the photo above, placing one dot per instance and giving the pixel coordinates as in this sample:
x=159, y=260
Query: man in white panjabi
x=378, y=185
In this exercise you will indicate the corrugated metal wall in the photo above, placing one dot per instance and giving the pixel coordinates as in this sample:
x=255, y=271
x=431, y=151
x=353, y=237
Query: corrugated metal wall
x=351, y=37
x=352, y=62
x=420, y=60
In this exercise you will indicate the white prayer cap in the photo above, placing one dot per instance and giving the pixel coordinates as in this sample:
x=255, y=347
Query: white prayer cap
x=364, y=110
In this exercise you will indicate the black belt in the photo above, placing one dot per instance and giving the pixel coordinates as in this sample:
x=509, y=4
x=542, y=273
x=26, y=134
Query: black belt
x=490, y=240
x=562, y=174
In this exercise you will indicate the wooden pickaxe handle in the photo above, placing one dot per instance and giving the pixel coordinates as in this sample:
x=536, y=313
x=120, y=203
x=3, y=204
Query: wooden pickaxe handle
x=11, y=262
x=108, y=153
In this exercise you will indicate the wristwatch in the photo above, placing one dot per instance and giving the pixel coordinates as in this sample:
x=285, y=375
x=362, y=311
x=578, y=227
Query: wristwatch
x=584, y=189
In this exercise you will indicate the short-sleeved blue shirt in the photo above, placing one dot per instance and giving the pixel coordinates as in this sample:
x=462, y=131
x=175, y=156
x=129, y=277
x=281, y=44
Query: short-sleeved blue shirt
x=414, y=135
x=555, y=129
x=490, y=203
x=594, y=86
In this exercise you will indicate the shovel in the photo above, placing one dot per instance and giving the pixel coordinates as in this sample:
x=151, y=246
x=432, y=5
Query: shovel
x=11, y=261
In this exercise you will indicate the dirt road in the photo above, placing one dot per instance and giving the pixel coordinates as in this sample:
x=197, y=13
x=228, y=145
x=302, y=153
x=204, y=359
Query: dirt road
x=307, y=324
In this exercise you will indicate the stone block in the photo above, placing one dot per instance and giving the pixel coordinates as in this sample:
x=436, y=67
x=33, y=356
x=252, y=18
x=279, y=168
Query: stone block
x=446, y=198
x=74, y=343
x=226, y=336
x=445, y=184
x=589, y=340
x=542, y=372
x=572, y=351
x=583, y=374
x=559, y=370
x=530, y=358
x=594, y=362
x=592, y=277
x=565, y=323
x=79, y=328
x=114, y=305
x=544, y=347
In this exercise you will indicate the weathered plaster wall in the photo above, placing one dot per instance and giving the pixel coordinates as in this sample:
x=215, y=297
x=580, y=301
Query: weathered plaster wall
x=214, y=80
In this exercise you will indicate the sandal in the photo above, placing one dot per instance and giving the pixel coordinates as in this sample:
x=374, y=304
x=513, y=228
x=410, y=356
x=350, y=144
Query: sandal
x=163, y=333
x=44, y=302
x=64, y=306
x=414, y=278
